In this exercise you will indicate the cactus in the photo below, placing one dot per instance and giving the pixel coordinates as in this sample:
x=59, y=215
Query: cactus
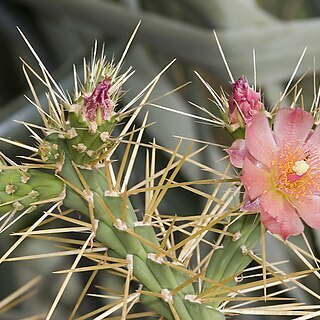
x=73, y=166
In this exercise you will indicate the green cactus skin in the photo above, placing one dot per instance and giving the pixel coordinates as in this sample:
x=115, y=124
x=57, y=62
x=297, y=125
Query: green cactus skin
x=88, y=147
x=152, y=275
x=77, y=137
x=27, y=187
x=230, y=259
x=20, y=189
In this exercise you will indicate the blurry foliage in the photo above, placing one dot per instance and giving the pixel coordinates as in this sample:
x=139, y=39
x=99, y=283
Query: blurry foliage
x=289, y=10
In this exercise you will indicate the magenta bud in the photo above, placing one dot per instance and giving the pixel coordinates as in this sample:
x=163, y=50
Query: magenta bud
x=243, y=102
x=99, y=100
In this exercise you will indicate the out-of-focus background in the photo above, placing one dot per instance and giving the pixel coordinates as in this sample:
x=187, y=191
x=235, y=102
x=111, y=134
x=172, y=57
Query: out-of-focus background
x=63, y=31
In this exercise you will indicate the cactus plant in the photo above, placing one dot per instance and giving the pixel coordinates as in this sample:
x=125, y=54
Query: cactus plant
x=74, y=167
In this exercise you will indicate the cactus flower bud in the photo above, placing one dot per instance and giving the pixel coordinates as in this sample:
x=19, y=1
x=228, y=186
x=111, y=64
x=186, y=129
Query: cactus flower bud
x=244, y=102
x=91, y=118
x=99, y=100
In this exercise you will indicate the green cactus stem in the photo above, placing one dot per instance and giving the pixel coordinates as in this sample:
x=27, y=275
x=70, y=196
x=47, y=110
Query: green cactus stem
x=129, y=237
x=231, y=258
x=21, y=189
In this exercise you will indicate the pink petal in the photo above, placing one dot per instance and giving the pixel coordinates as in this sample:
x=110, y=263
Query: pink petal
x=279, y=216
x=292, y=125
x=309, y=210
x=256, y=180
x=237, y=152
x=259, y=139
x=248, y=205
x=315, y=138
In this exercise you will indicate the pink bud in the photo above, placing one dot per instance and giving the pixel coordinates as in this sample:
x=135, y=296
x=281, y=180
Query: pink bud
x=100, y=98
x=243, y=101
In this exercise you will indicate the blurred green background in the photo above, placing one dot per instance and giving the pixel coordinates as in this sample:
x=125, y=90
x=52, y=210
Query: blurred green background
x=63, y=31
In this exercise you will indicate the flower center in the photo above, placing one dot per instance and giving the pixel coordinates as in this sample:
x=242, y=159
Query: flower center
x=296, y=170
x=299, y=169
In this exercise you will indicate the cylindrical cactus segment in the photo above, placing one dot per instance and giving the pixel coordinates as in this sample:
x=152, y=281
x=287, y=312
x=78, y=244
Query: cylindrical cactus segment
x=124, y=235
x=91, y=117
x=232, y=257
x=88, y=146
x=19, y=189
x=86, y=120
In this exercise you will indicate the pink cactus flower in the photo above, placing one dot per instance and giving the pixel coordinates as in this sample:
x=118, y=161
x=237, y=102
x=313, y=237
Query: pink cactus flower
x=244, y=102
x=100, y=98
x=281, y=170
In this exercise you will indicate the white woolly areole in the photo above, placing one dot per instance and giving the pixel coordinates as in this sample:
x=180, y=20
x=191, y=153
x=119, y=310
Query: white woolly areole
x=192, y=298
x=166, y=295
x=90, y=153
x=10, y=189
x=129, y=259
x=88, y=195
x=139, y=289
x=141, y=224
x=120, y=225
x=24, y=178
x=177, y=263
x=17, y=205
x=245, y=250
x=80, y=147
x=96, y=224
x=236, y=236
x=111, y=193
x=153, y=257
x=76, y=107
x=93, y=127
x=104, y=136
x=63, y=193
x=33, y=194
x=71, y=133
x=60, y=163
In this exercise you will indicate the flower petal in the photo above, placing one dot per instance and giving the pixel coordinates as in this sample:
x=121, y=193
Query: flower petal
x=259, y=139
x=256, y=180
x=309, y=211
x=249, y=205
x=314, y=139
x=279, y=216
x=237, y=152
x=292, y=125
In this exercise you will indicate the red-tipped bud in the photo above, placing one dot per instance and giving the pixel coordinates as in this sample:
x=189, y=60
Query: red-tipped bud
x=243, y=102
x=99, y=101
